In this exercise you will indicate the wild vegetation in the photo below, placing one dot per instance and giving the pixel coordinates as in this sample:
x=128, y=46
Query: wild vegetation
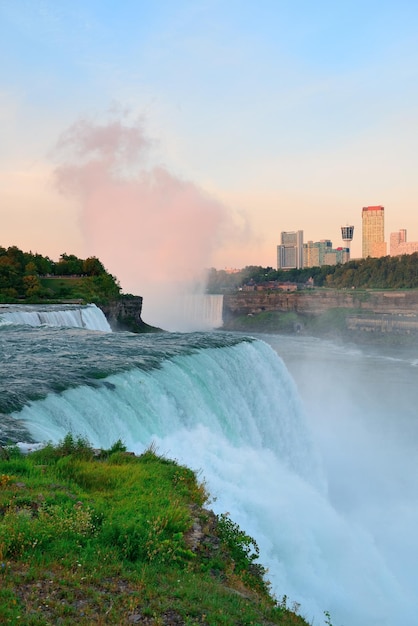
x=34, y=278
x=384, y=273
x=106, y=537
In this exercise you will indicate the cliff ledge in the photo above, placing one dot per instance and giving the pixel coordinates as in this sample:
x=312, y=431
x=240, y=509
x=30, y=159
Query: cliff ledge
x=125, y=314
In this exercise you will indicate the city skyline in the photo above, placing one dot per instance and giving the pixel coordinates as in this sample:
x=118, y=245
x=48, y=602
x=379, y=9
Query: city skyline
x=175, y=136
x=293, y=252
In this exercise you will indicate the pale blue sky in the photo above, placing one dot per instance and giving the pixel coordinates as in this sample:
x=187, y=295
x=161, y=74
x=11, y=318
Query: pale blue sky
x=292, y=114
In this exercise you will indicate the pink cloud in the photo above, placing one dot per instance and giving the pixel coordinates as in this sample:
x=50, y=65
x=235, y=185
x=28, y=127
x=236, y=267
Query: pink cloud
x=150, y=228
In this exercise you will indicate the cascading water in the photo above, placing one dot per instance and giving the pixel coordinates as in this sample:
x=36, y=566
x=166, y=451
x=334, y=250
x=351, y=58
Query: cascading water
x=203, y=311
x=72, y=316
x=227, y=407
x=186, y=312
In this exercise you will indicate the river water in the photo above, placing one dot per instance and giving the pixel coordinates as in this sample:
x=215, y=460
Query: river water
x=309, y=445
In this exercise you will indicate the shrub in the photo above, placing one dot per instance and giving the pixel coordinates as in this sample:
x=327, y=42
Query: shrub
x=78, y=447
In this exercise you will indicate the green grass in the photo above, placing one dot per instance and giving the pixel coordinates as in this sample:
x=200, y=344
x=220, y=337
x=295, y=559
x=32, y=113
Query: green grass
x=78, y=288
x=268, y=321
x=105, y=537
x=62, y=287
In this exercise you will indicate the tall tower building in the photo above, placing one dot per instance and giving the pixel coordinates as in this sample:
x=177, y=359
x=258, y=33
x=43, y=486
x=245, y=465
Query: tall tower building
x=373, y=227
x=347, y=233
x=290, y=250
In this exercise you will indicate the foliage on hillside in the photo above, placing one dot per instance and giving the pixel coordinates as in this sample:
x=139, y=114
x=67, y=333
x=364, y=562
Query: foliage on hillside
x=388, y=272
x=35, y=278
x=105, y=537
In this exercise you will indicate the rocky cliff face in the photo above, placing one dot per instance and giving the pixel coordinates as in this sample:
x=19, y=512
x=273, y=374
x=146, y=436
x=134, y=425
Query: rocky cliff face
x=317, y=301
x=384, y=311
x=125, y=314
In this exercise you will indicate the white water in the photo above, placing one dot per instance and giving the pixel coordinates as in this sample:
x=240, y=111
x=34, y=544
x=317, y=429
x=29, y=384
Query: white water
x=69, y=316
x=184, y=312
x=235, y=414
x=202, y=312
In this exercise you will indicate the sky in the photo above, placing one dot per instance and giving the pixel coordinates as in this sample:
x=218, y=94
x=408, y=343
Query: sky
x=166, y=136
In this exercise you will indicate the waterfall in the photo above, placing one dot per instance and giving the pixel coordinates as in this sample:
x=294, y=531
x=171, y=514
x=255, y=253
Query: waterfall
x=69, y=316
x=233, y=414
x=203, y=311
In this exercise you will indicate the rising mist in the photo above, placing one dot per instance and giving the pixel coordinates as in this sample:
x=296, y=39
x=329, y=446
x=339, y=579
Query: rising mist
x=152, y=229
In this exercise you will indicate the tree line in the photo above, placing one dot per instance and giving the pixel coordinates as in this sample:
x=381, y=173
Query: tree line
x=400, y=272
x=30, y=276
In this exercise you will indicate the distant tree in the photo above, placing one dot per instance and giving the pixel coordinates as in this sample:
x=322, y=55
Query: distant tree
x=20, y=274
x=10, y=274
x=69, y=265
x=8, y=294
x=99, y=289
x=32, y=286
x=44, y=265
x=371, y=273
x=93, y=267
x=31, y=269
x=16, y=256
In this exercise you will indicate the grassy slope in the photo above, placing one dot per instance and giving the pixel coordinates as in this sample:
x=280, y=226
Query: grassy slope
x=79, y=288
x=118, y=539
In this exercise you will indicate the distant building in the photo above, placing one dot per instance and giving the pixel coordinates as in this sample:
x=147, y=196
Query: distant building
x=347, y=233
x=314, y=252
x=318, y=253
x=373, y=231
x=399, y=245
x=290, y=250
x=337, y=255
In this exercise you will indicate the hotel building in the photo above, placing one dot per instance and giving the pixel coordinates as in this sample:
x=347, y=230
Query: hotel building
x=290, y=250
x=318, y=253
x=373, y=231
x=399, y=245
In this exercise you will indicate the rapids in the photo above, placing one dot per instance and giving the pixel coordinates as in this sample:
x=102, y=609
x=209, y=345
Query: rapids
x=301, y=449
x=55, y=315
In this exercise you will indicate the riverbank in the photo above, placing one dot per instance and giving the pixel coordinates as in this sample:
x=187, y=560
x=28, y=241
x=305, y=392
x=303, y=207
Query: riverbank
x=90, y=536
x=339, y=324
x=357, y=316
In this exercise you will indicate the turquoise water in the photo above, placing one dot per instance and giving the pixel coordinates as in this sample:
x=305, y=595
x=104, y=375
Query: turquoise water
x=311, y=447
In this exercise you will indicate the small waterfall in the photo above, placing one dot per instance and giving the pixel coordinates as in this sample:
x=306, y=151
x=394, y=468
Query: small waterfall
x=68, y=316
x=203, y=311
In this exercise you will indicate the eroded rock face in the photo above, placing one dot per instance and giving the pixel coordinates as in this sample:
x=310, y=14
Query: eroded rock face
x=365, y=310
x=125, y=314
x=384, y=302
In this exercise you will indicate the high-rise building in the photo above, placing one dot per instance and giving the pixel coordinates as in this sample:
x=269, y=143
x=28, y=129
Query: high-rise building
x=318, y=253
x=314, y=252
x=399, y=245
x=373, y=227
x=290, y=250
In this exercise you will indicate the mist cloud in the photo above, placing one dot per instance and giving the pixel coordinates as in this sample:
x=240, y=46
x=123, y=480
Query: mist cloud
x=155, y=231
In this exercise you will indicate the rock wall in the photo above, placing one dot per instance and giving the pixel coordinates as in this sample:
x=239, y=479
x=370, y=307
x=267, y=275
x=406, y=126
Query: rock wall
x=125, y=314
x=315, y=302
x=385, y=311
x=383, y=324
x=376, y=311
